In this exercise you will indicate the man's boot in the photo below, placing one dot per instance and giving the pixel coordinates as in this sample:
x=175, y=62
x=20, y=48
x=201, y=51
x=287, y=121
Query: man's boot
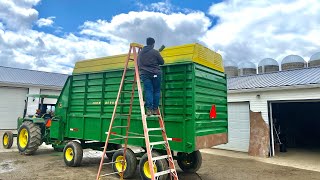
x=149, y=112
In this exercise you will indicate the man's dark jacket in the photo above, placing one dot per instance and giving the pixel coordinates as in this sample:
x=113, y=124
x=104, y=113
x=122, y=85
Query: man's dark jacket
x=149, y=60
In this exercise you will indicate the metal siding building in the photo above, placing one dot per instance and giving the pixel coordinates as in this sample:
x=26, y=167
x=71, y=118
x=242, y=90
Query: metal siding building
x=258, y=92
x=16, y=83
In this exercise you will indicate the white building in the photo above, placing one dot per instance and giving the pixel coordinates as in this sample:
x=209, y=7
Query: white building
x=289, y=102
x=15, y=84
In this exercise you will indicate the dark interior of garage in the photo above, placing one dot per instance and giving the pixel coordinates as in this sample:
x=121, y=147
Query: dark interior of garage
x=296, y=125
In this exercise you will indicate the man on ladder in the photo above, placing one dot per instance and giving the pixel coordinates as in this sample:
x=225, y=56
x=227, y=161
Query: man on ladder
x=149, y=61
x=121, y=163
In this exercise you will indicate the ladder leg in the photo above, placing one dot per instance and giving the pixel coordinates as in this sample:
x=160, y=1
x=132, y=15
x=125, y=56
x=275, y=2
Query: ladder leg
x=128, y=122
x=143, y=115
x=113, y=114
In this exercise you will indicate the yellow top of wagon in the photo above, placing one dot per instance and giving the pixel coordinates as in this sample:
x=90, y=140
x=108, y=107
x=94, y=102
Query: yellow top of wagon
x=171, y=55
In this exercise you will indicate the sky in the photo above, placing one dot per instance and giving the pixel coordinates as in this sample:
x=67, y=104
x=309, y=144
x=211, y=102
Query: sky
x=52, y=35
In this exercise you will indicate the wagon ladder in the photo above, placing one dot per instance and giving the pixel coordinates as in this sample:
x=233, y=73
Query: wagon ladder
x=132, y=57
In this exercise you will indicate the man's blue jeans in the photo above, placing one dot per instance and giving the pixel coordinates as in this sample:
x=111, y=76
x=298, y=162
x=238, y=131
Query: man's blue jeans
x=152, y=86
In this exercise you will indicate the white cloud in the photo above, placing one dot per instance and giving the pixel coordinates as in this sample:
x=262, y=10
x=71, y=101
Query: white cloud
x=172, y=29
x=164, y=6
x=45, y=21
x=253, y=30
x=18, y=14
x=246, y=30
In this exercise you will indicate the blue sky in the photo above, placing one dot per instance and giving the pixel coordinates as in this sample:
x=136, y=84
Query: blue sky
x=52, y=35
x=70, y=14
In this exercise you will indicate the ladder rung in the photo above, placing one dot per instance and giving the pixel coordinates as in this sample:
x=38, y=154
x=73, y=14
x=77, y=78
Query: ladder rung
x=160, y=157
x=122, y=114
x=123, y=104
x=119, y=126
x=157, y=143
x=153, y=116
x=155, y=129
x=110, y=174
x=112, y=151
x=127, y=80
x=131, y=59
x=126, y=92
x=112, y=162
x=120, y=138
x=163, y=172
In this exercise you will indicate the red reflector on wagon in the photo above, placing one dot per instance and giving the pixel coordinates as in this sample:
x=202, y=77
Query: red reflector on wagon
x=177, y=139
x=213, y=112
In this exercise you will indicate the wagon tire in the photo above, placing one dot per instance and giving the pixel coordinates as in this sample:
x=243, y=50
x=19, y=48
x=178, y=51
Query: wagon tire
x=73, y=154
x=189, y=162
x=130, y=166
x=28, y=138
x=7, y=140
x=160, y=165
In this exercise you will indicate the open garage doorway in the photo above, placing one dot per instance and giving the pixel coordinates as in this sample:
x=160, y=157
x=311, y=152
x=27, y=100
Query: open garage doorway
x=296, y=127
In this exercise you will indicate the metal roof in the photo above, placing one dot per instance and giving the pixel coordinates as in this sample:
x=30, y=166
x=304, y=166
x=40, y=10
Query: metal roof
x=30, y=77
x=306, y=76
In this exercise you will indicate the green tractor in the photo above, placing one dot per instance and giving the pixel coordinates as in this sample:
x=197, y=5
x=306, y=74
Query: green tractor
x=33, y=130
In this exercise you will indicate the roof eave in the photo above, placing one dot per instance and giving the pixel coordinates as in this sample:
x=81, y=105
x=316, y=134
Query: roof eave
x=305, y=86
x=24, y=85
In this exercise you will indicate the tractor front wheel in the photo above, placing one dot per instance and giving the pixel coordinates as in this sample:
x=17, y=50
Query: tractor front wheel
x=189, y=162
x=29, y=138
x=72, y=154
x=7, y=139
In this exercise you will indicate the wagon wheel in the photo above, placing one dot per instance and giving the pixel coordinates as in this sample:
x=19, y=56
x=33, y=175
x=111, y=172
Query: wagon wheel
x=189, y=162
x=73, y=154
x=158, y=166
x=7, y=140
x=130, y=164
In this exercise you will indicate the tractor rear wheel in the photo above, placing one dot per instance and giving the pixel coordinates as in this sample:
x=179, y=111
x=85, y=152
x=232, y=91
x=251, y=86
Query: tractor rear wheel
x=29, y=138
x=72, y=154
x=7, y=139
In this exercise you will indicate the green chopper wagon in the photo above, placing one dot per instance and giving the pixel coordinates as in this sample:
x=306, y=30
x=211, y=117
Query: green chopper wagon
x=193, y=87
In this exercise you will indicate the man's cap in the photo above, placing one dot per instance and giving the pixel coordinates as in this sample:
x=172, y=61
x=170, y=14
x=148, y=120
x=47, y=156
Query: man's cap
x=150, y=41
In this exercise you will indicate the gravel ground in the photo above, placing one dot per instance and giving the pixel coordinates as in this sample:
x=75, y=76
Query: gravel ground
x=48, y=164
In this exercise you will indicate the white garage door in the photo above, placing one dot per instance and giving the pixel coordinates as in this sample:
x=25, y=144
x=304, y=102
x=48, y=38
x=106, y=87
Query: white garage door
x=50, y=92
x=238, y=127
x=11, y=106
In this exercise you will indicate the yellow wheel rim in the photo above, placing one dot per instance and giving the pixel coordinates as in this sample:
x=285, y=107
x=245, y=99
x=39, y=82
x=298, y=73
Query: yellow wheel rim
x=23, y=138
x=146, y=169
x=69, y=154
x=5, y=139
x=118, y=164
